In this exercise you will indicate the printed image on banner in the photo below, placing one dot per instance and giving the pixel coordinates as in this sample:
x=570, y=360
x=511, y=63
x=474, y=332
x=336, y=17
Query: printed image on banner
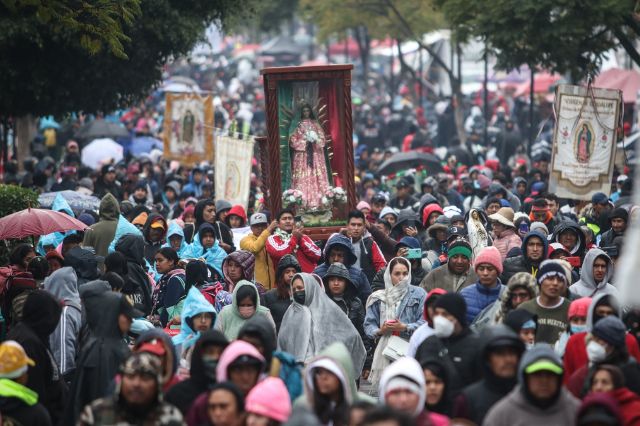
x=233, y=168
x=584, y=141
x=188, y=128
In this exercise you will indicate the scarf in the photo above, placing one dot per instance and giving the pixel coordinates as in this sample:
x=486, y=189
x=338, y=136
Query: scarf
x=390, y=300
x=284, y=235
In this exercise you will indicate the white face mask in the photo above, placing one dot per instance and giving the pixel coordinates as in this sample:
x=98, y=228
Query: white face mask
x=596, y=352
x=442, y=326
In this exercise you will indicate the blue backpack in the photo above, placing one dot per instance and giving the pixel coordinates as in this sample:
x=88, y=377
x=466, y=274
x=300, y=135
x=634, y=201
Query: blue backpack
x=290, y=372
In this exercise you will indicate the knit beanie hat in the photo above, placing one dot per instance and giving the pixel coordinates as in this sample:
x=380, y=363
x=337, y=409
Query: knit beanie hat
x=539, y=226
x=460, y=246
x=551, y=268
x=489, y=255
x=579, y=307
x=611, y=329
x=619, y=213
x=287, y=261
x=260, y=400
x=455, y=305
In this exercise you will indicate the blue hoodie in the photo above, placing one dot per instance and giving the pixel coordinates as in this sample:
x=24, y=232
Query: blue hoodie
x=194, y=304
x=193, y=187
x=357, y=276
x=175, y=229
x=123, y=228
x=59, y=205
x=213, y=256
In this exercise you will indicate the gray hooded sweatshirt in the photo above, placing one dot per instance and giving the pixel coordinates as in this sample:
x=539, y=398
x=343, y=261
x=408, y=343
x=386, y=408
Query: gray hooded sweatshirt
x=516, y=410
x=587, y=287
x=63, y=285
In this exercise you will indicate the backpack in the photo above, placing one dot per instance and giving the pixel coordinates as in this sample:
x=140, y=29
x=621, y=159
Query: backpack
x=285, y=366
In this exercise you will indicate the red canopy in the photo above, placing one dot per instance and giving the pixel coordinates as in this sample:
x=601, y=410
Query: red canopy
x=542, y=82
x=626, y=80
x=338, y=48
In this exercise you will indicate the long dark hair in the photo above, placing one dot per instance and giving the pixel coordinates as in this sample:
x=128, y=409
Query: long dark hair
x=169, y=253
x=302, y=107
x=338, y=415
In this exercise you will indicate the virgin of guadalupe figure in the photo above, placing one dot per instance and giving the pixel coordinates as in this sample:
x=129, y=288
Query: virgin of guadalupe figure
x=308, y=168
x=188, y=127
x=584, y=140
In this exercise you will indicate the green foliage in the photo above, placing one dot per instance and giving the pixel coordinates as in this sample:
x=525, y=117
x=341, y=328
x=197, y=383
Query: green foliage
x=15, y=198
x=50, y=72
x=566, y=36
x=271, y=14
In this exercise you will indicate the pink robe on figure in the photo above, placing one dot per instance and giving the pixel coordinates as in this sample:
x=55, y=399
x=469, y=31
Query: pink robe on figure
x=312, y=181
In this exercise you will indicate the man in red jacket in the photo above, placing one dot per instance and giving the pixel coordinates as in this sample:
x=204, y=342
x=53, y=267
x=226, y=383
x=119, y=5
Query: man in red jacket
x=289, y=239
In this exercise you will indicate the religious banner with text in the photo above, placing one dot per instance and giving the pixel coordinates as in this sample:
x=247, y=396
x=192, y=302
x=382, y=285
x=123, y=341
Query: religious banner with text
x=233, y=169
x=188, y=128
x=584, y=141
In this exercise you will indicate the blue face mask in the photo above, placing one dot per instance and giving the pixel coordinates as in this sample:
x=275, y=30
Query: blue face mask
x=578, y=328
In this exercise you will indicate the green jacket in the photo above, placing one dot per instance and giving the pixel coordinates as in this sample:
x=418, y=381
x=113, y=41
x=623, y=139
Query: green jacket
x=100, y=234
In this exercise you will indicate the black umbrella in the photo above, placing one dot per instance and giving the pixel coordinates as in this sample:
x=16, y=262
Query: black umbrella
x=101, y=129
x=410, y=160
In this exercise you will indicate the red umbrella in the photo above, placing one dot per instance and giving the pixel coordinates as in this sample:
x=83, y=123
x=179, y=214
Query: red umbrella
x=37, y=222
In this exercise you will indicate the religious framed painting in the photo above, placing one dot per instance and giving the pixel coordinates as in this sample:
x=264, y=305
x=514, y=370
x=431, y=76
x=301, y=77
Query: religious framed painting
x=188, y=128
x=307, y=156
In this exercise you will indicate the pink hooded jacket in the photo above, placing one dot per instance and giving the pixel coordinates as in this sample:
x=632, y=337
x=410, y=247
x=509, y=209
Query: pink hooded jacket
x=234, y=351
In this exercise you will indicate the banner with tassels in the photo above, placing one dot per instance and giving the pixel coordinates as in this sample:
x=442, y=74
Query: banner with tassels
x=584, y=140
x=233, y=168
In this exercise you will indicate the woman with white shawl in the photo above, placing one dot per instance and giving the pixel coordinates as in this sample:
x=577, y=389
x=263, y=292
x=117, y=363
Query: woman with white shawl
x=396, y=310
x=314, y=321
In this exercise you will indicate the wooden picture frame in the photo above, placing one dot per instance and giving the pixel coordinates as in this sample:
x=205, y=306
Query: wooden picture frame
x=192, y=115
x=309, y=110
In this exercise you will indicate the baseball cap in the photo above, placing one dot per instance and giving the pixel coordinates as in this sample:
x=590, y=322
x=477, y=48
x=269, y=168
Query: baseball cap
x=154, y=346
x=258, y=219
x=157, y=224
x=599, y=198
x=402, y=183
x=544, y=365
x=13, y=360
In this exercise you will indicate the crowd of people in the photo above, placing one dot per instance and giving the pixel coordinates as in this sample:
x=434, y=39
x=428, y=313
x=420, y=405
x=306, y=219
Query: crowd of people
x=468, y=296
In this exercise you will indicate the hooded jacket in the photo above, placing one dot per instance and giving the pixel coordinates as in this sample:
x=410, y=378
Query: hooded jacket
x=277, y=303
x=137, y=283
x=476, y=399
x=629, y=403
x=580, y=247
x=348, y=301
x=101, y=355
x=230, y=321
x=235, y=350
x=517, y=410
x=40, y=317
x=151, y=248
x=101, y=234
x=358, y=277
x=522, y=263
x=194, y=304
x=184, y=393
x=63, y=284
x=587, y=287
x=175, y=229
x=213, y=256
x=426, y=329
x=258, y=328
x=19, y=405
x=575, y=355
x=495, y=188
x=170, y=367
x=221, y=230
x=193, y=187
x=61, y=205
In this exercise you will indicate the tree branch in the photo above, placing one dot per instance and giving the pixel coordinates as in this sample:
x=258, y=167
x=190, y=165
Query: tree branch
x=627, y=45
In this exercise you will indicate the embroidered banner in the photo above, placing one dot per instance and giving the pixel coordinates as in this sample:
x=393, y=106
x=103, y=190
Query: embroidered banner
x=584, y=141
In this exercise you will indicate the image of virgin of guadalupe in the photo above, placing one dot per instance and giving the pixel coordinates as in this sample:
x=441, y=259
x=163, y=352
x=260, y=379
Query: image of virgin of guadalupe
x=188, y=127
x=309, y=172
x=584, y=142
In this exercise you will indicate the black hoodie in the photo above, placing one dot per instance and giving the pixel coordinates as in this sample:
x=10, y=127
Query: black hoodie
x=40, y=317
x=136, y=282
x=151, y=248
x=476, y=399
x=183, y=394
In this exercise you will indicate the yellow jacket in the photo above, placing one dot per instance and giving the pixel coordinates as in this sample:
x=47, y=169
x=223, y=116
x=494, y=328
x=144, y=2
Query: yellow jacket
x=265, y=271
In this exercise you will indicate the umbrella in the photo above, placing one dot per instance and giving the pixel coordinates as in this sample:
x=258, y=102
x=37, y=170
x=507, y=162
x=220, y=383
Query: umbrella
x=101, y=150
x=100, y=128
x=409, y=160
x=30, y=222
x=77, y=201
x=144, y=145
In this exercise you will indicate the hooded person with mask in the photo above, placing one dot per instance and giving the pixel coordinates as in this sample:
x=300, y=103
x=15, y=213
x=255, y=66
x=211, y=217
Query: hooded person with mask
x=245, y=305
x=539, y=397
x=606, y=345
x=100, y=235
x=340, y=288
x=137, y=285
x=402, y=387
x=575, y=355
x=595, y=275
x=103, y=351
x=426, y=329
x=40, y=317
x=202, y=372
x=63, y=284
x=501, y=354
x=314, y=321
x=339, y=249
x=278, y=299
